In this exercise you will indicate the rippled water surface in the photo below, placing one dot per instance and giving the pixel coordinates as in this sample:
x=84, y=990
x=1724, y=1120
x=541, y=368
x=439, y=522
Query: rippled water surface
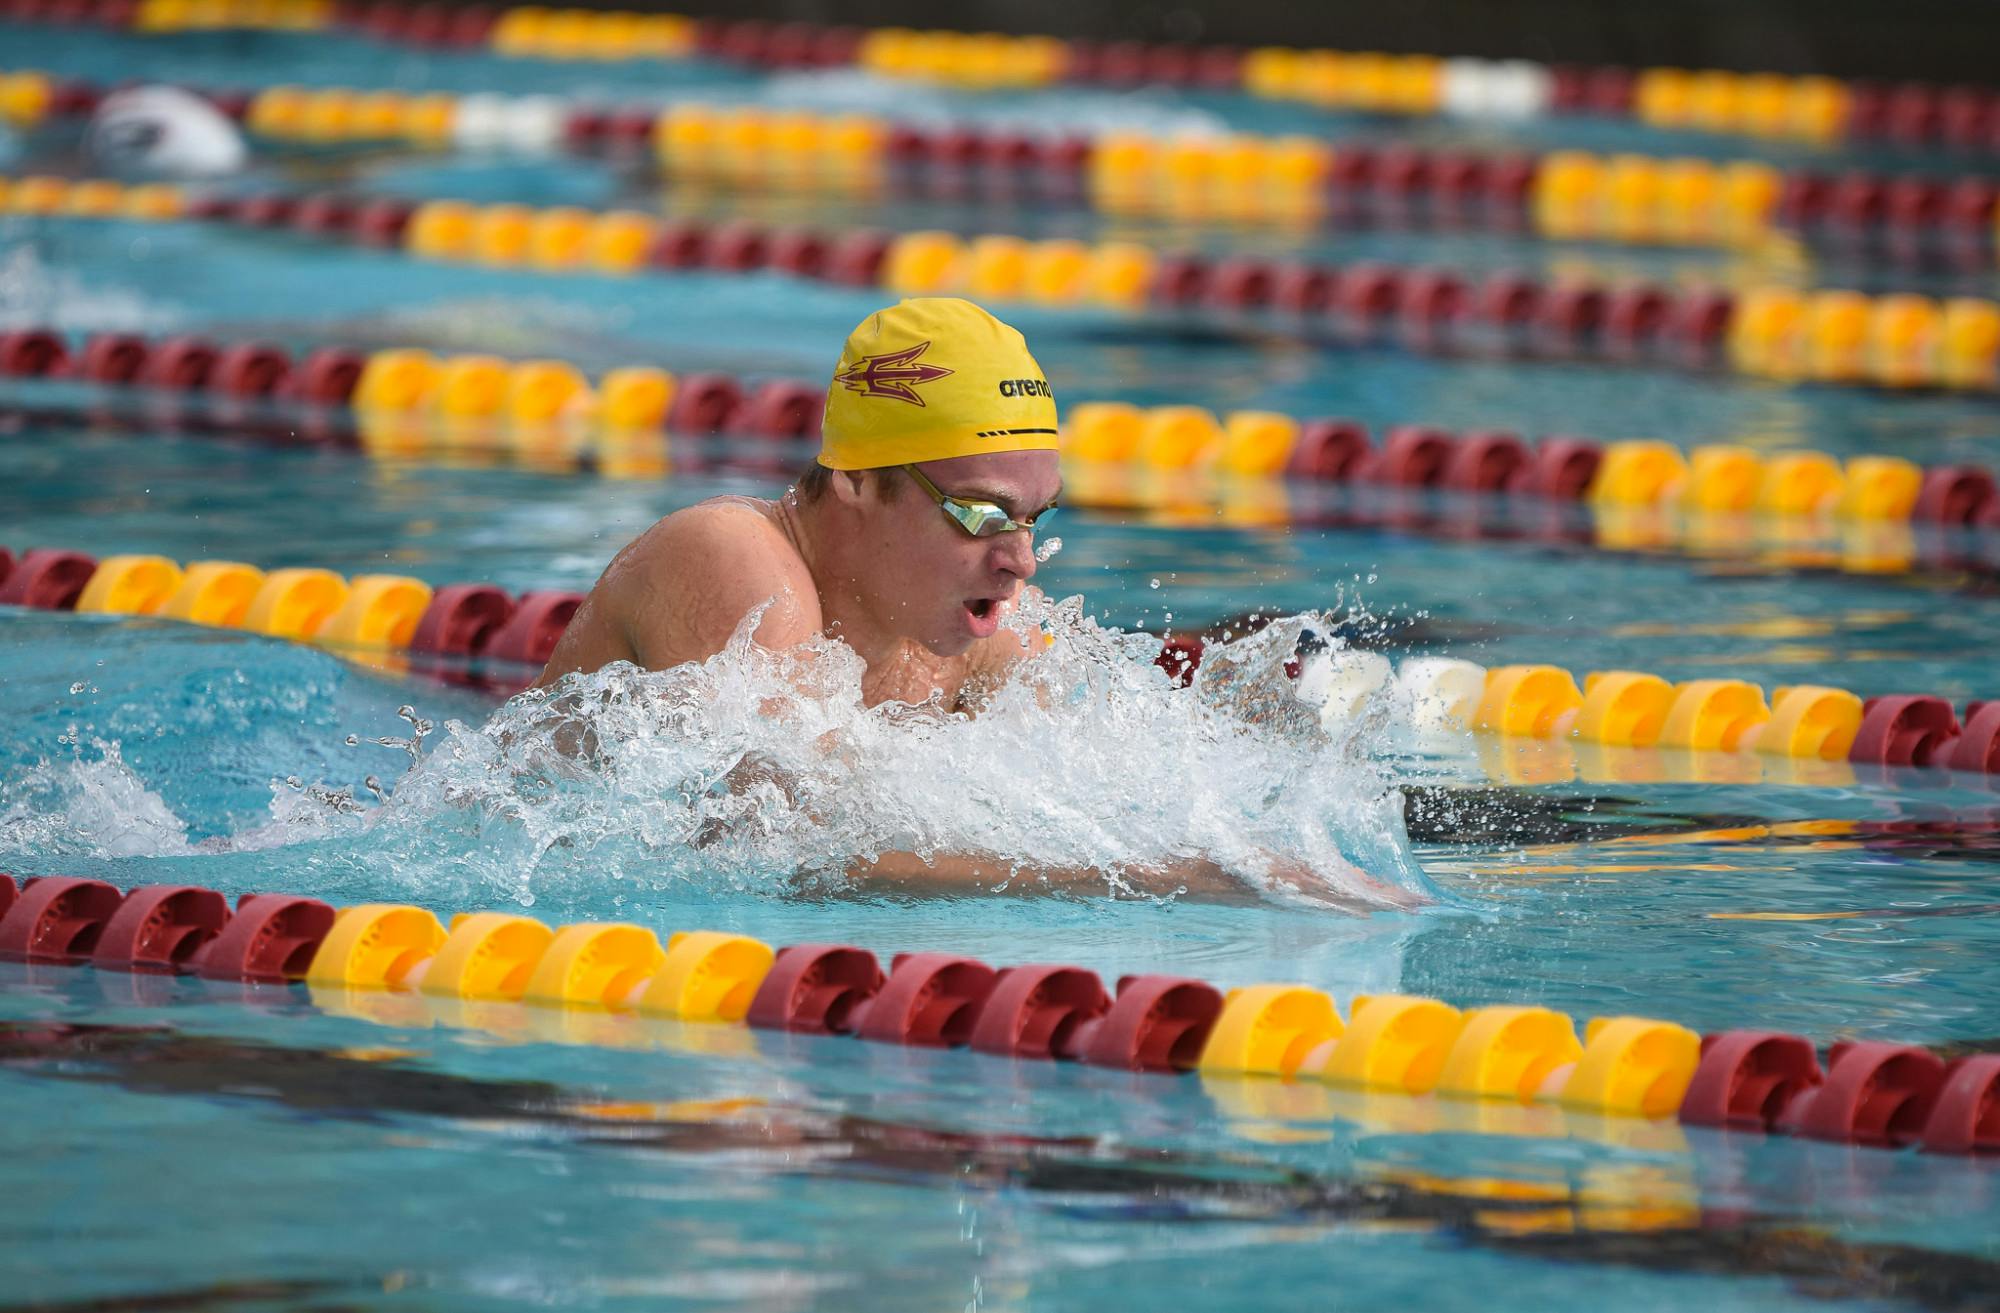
x=214, y=1147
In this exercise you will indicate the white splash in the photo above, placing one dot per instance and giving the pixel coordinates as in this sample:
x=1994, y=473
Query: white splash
x=507, y=325
x=90, y=807
x=35, y=295
x=763, y=770
x=1082, y=111
x=164, y=132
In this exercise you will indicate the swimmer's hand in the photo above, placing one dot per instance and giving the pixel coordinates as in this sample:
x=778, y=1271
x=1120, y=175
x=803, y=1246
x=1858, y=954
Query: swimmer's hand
x=1349, y=889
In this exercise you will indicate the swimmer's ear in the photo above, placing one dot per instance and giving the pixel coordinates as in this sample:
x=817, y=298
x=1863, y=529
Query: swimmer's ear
x=857, y=486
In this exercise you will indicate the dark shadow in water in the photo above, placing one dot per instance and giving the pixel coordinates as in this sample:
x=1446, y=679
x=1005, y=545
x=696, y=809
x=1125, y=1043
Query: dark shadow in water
x=1359, y=629
x=1971, y=837
x=1516, y=817
x=1945, y=839
x=1483, y=816
x=1084, y=1175
x=1814, y=1265
x=312, y=1295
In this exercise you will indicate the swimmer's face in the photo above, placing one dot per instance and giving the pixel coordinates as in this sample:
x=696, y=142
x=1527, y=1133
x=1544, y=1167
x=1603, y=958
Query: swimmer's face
x=936, y=584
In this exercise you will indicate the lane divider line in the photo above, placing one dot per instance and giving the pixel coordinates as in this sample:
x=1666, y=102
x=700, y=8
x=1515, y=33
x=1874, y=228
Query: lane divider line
x=401, y=623
x=408, y=400
x=1758, y=105
x=1295, y=181
x=1488, y=1061
x=1895, y=340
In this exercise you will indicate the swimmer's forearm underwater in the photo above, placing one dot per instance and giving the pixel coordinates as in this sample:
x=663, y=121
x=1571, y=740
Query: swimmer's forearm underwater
x=1195, y=879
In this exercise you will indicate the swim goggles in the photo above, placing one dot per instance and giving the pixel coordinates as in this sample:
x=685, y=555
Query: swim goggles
x=981, y=519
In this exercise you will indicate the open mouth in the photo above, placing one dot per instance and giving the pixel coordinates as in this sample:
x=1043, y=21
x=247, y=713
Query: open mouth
x=983, y=608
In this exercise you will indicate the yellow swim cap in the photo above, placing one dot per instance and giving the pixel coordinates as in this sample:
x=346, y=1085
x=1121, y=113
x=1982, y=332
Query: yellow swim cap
x=932, y=378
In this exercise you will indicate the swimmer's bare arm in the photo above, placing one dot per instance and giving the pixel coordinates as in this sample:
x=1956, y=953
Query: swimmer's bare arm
x=951, y=872
x=1197, y=878
x=677, y=593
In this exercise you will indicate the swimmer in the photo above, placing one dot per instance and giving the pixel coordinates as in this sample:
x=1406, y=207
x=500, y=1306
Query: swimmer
x=911, y=540
x=164, y=132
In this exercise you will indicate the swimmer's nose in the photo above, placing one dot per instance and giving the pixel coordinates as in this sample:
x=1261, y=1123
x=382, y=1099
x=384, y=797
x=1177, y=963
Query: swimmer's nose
x=1014, y=554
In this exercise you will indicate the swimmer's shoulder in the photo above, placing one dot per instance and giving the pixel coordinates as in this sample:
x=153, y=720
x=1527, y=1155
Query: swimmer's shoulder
x=719, y=531
x=702, y=569
x=678, y=591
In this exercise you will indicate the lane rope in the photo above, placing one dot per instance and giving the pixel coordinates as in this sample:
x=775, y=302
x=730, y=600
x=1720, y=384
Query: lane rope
x=1293, y=181
x=1899, y=341
x=1519, y=1069
x=404, y=625
x=1758, y=105
x=409, y=399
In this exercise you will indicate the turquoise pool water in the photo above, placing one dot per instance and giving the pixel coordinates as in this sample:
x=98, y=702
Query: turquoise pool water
x=230, y=1148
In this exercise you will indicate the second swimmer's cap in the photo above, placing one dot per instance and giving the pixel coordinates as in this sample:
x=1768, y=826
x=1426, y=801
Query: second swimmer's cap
x=932, y=378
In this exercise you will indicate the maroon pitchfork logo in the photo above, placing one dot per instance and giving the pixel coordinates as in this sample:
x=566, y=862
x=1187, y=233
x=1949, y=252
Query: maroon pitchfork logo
x=896, y=374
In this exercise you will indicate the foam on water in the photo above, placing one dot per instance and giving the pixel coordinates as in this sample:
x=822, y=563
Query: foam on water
x=500, y=324
x=37, y=294
x=1049, y=112
x=765, y=771
x=90, y=807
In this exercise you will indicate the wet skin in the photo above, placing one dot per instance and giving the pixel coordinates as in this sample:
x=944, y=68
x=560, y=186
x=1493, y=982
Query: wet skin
x=876, y=563
x=872, y=561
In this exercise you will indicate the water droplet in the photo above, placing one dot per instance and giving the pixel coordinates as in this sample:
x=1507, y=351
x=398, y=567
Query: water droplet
x=78, y=687
x=1048, y=548
x=1152, y=583
x=622, y=768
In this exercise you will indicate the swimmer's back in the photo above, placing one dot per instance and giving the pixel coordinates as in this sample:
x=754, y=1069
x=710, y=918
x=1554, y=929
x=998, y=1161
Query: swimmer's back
x=679, y=590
